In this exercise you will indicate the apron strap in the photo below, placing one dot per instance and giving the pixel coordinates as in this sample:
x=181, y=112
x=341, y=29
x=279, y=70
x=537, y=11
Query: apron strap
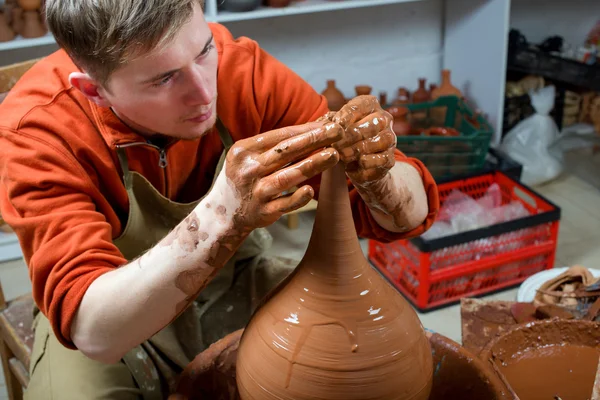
x=127, y=178
x=226, y=138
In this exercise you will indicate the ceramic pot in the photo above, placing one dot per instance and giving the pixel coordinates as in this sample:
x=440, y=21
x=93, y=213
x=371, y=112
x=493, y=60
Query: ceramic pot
x=362, y=90
x=442, y=131
x=446, y=88
x=402, y=98
x=335, y=98
x=240, y=5
x=32, y=25
x=6, y=33
x=335, y=329
x=401, y=126
x=383, y=99
x=459, y=373
x=421, y=95
x=17, y=20
x=30, y=5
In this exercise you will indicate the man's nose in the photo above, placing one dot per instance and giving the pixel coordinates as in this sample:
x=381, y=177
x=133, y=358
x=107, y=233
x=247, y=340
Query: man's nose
x=198, y=91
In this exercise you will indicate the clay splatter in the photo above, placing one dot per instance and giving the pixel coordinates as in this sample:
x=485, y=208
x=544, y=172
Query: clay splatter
x=221, y=210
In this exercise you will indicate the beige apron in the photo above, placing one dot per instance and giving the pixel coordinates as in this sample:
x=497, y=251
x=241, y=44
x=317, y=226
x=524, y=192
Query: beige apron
x=222, y=307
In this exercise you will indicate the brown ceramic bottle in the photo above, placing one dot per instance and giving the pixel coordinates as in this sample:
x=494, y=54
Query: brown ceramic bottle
x=30, y=5
x=403, y=97
x=6, y=33
x=446, y=88
x=335, y=98
x=401, y=126
x=17, y=20
x=32, y=25
x=421, y=95
x=383, y=99
x=334, y=329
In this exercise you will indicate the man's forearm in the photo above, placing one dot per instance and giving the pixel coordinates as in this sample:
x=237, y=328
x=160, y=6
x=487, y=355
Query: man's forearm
x=128, y=305
x=398, y=202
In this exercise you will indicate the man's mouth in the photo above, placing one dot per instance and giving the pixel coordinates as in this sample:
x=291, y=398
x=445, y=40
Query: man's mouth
x=200, y=117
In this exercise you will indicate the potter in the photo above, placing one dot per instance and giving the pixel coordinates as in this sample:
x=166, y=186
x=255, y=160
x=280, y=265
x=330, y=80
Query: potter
x=141, y=164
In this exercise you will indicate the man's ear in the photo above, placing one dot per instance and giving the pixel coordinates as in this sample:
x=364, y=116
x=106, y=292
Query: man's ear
x=89, y=87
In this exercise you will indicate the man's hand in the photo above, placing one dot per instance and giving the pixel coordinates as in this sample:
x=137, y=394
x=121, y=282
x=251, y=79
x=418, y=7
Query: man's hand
x=394, y=192
x=368, y=146
x=259, y=169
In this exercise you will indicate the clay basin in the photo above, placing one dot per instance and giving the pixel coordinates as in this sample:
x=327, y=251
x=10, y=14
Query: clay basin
x=553, y=358
x=458, y=374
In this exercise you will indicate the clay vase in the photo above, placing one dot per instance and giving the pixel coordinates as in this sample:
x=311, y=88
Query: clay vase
x=17, y=20
x=362, y=90
x=383, y=99
x=432, y=87
x=334, y=329
x=403, y=97
x=421, y=95
x=446, y=88
x=6, y=33
x=335, y=98
x=30, y=5
x=32, y=25
x=401, y=126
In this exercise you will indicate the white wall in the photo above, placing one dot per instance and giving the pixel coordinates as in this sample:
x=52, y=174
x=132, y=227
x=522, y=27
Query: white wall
x=384, y=47
x=538, y=19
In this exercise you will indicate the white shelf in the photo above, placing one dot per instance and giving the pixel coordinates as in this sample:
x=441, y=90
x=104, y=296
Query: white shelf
x=21, y=43
x=300, y=7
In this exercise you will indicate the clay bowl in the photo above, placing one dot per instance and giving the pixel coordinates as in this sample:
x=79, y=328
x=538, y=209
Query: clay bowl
x=458, y=374
x=564, y=354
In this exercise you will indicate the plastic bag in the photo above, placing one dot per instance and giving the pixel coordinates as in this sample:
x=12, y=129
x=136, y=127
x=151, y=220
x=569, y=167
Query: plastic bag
x=529, y=141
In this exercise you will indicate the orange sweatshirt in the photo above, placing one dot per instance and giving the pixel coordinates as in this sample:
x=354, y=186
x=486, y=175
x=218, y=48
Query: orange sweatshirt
x=60, y=181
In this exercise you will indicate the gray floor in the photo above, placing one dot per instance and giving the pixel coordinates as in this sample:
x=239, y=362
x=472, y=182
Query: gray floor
x=577, y=192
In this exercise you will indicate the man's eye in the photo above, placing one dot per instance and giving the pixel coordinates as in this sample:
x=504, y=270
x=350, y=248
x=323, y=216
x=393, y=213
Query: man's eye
x=163, y=81
x=208, y=49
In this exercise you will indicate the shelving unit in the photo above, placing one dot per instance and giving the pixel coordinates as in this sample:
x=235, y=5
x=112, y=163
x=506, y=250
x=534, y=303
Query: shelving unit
x=301, y=7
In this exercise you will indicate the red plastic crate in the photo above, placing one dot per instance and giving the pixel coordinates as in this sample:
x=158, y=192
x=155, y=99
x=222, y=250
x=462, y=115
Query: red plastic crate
x=439, y=272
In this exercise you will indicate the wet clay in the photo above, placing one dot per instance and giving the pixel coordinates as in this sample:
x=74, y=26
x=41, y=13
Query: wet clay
x=334, y=329
x=458, y=374
x=548, y=359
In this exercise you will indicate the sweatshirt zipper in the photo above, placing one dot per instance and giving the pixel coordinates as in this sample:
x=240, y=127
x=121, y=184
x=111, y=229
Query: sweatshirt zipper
x=162, y=159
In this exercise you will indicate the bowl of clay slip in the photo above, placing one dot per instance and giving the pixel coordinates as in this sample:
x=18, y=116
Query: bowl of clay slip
x=458, y=374
x=547, y=359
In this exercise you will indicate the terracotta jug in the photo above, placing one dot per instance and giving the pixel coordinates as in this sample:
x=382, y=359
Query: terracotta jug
x=363, y=90
x=403, y=97
x=6, y=33
x=32, y=25
x=335, y=98
x=446, y=88
x=401, y=125
x=30, y=5
x=421, y=95
x=17, y=20
x=383, y=99
x=432, y=87
x=334, y=329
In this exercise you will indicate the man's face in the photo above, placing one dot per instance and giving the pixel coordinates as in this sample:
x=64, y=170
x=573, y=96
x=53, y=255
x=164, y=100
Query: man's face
x=172, y=92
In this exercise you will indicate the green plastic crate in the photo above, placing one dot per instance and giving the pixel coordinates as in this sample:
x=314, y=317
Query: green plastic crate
x=447, y=156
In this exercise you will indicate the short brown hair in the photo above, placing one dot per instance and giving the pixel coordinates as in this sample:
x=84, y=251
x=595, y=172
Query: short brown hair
x=101, y=36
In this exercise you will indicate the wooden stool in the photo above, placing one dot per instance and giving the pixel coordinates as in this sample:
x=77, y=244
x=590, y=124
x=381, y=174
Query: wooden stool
x=16, y=342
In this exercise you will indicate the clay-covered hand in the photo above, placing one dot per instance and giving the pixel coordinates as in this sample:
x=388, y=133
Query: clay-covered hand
x=261, y=168
x=367, y=149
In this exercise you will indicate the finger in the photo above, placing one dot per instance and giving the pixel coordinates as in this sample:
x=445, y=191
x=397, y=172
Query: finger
x=383, y=160
x=382, y=142
x=269, y=139
x=367, y=127
x=291, y=202
x=297, y=173
x=356, y=109
x=294, y=148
